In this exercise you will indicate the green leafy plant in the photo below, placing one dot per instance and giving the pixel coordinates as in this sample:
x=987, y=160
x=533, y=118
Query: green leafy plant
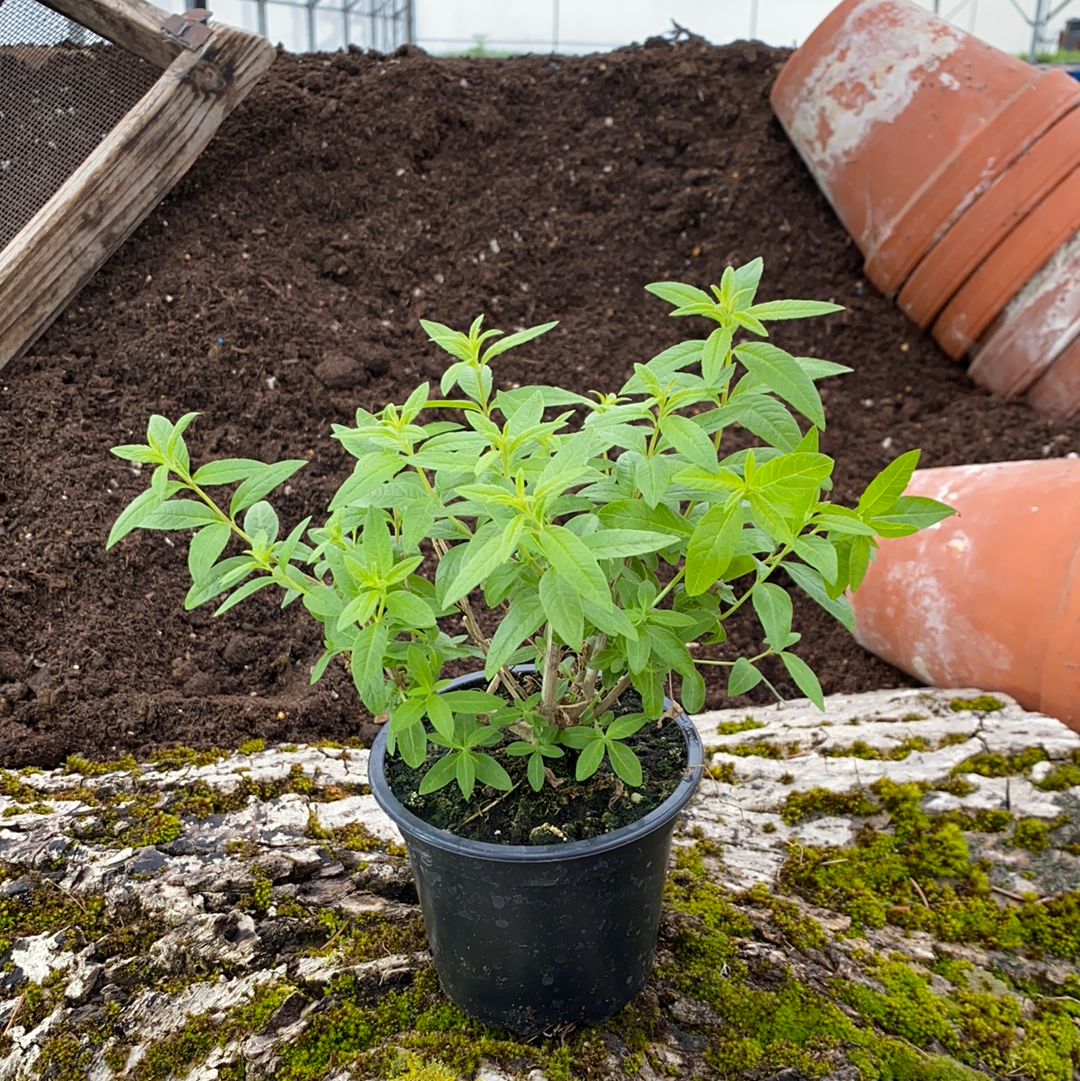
x=607, y=537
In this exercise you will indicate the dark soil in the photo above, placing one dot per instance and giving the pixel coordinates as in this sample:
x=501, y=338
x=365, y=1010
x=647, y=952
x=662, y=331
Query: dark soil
x=279, y=287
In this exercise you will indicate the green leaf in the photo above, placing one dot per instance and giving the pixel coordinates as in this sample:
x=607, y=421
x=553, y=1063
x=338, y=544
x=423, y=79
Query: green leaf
x=180, y=514
x=589, y=759
x=412, y=744
x=512, y=340
x=819, y=553
x=626, y=726
x=680, y=295
x=782, y=374
x=884, y=490
x=524, y=618
x=481, y=555
x=466, y=774
x=244, y=592
x=366, y=658
x=441, y=714
x=652, y=477
x=793, y=309
x=210, y=587
x=376, y=544
x=535, y=771
x=712, y=546
x=634, y=515
x=811, y=583
x=442, y=772
x=359, y=610
x=489, y=772
x=453, y=341
x=410, y=610
x=664, y=365
x=743, y=677
x=704, y=480
x=774, y=610
x=715, y=355
x=692, y=691
x=620, y=543
x=841, y=520
x=205, y=549
x=770, y=420
x=575, y=564
x=261, y=518
x=472, y=701
x=137, y=452
x=689, y=440
x=134, y=514
x=562, y=606
x=862, y=549
x=909, y=514
x=261, y=482
x=226, y=471
x=625, y=763
x=804, y=678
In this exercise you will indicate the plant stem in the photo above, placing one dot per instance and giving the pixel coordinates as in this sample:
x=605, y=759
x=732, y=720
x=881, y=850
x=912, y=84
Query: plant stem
x=550, y=680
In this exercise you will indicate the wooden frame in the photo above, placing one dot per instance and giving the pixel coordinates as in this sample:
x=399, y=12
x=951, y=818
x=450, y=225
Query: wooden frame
x=206, y=72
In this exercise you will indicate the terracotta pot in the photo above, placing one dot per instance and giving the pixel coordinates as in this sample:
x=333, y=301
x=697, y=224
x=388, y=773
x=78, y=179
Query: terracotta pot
x=990, y=218
x=1005, y=271
x=1035, y=328
x=989, y=598
x=1057, y=390
x=901, y=117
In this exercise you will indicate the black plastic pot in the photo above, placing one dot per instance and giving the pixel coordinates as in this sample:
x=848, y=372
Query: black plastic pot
x=528, y=938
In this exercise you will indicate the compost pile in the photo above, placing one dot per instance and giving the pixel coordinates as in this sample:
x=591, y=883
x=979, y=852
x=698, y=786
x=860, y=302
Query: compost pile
x=279, y=287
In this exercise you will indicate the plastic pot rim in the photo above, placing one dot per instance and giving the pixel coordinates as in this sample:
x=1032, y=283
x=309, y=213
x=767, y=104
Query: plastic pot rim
x=537, y=854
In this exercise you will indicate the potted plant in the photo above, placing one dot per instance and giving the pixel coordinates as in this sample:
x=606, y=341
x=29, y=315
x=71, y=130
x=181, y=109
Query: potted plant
x=580, y=552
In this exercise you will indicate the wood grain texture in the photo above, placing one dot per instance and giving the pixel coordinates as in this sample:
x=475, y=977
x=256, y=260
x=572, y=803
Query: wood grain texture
x=118, y=184
x=133, y=24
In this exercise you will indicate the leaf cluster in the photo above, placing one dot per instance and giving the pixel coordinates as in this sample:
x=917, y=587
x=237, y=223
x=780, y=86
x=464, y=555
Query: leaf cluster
x=609, y=535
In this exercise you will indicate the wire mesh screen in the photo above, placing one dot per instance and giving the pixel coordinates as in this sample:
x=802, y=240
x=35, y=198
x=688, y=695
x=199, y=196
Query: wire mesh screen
x=62, y=90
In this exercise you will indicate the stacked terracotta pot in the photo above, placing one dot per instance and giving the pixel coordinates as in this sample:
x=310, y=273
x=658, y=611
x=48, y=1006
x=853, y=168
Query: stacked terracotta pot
x=955, y=168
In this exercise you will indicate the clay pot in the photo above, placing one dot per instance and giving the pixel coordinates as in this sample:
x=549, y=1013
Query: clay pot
x=1057, y=391
x=991, y=217
x=1037, y=326
x=902, y=118
x=1005, y=271
x=989, y=598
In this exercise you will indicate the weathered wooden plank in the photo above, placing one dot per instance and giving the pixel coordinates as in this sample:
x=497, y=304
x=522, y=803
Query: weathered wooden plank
x=134, y=24
x=129, y=172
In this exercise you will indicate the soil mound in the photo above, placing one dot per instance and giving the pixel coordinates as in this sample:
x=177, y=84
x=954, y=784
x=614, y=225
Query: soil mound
x=279, y=287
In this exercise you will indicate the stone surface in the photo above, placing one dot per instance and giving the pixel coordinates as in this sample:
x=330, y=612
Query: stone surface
x=189, y=920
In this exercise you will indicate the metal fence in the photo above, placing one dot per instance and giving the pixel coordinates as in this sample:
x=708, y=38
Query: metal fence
x=502, y=26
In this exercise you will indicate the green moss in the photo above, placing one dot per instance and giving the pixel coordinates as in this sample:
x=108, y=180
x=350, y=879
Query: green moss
x=918, y=874
x=762, y=748
x=86, y=768
x=169, y=758
x=983, y=703
x=956, y=786
x=1034, y=833
x=799, y=806
x=1000, y=765
x=724, y=772
x=800, y=930
x=1063, y=776
x=862, y=749
x=252, y=746
x=767, y=1021
x=730, y=728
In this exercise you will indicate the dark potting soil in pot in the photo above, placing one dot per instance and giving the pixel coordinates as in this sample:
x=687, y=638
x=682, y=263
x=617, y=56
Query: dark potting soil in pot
x=566, y=810
x=279, y=287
